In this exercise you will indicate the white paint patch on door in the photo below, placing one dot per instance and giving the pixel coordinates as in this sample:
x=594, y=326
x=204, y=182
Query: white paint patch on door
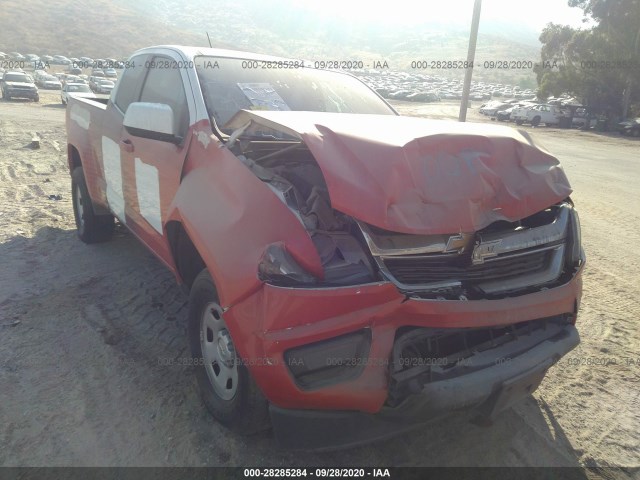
x=148, y=189
x=113, y=177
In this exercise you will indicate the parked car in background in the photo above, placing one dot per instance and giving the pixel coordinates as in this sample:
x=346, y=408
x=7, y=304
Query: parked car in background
x=81, y=90
x=582, y=117
x=49, y=82
x=423, y=97
x=102, y=85
x=505, y=114
x=18, y=85
x=537, y=114
x=491, y=108
x=60, y=60
x=630, y=127
x=110, y=72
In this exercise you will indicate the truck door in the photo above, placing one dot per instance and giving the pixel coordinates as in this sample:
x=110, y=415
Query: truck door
x=152, y=168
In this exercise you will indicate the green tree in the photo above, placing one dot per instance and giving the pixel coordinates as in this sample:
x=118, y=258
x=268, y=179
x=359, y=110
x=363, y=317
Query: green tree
x=619, y=27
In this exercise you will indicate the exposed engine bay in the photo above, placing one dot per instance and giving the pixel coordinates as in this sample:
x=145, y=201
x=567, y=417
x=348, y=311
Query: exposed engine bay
x=292, y=173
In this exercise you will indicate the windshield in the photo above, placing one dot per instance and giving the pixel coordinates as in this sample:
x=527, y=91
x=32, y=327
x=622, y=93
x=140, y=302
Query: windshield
x=231, y=84
x=16, y=77
x=78, y=88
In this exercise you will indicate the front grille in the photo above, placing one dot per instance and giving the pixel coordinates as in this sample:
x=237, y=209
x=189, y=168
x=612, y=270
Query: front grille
x=427, y=355
x=422, y=269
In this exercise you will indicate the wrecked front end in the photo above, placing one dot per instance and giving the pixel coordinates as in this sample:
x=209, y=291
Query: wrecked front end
x=449, y=281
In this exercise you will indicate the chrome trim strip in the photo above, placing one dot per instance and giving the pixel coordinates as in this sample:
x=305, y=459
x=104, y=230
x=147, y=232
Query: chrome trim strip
x=549, y=274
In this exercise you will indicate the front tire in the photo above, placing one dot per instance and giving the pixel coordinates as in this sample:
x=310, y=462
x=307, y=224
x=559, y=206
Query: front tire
x=91, y=228
x=536, y=121
x=226, y=387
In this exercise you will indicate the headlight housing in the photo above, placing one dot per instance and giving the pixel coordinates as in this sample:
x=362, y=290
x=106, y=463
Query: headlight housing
x=575, y=253
x=277, y=266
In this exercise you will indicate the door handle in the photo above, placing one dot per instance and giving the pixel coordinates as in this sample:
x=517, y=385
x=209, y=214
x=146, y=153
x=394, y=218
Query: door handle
x=126, y=145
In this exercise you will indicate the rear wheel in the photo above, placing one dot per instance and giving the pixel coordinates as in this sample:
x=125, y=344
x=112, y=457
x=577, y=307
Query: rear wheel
x=36, y=98
x=518, y=122
x=91, y=228
x=227, y=389
x=635, y=132
x=536, y=121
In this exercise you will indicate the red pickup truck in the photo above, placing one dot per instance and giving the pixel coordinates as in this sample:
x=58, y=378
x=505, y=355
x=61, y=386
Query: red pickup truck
x=352, y=273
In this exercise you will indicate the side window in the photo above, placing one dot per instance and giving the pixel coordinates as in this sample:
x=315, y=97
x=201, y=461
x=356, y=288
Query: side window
x=129, y=84
x=164, y=85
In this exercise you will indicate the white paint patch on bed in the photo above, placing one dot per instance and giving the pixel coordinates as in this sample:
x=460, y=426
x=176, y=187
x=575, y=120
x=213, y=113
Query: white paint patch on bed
x=81, y=116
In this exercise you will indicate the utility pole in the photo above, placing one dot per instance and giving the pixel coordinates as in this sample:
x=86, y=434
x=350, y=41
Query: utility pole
x=471, y=54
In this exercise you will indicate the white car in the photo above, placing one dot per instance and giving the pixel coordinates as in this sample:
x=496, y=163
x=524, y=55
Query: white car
x=49, y=82
x=76, y=90
x=492, y=108
x=547, y=114
x=519, y=114
x=104, y=86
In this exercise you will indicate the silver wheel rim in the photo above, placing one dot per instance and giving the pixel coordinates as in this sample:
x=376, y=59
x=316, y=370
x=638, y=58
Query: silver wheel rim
x=79, y=208
x=218, y=352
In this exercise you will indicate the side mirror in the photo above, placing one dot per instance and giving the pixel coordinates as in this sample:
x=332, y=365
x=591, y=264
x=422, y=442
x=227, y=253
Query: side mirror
x=151, y=120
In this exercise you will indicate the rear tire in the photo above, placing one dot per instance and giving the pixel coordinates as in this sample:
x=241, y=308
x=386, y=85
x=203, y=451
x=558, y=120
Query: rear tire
x=536, y=121
x=226, y=387
x=91, y=228
x=519, y=122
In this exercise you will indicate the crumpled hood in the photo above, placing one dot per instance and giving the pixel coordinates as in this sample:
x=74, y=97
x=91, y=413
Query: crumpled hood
x=420, y=176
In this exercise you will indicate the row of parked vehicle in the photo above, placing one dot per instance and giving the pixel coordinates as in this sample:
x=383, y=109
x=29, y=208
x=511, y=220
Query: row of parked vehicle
x=565, y=112
x=418, y=87
x=75, y=62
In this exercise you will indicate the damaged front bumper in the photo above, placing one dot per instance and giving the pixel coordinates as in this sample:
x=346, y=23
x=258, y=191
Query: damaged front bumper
x=326, y=358
x=489, y=390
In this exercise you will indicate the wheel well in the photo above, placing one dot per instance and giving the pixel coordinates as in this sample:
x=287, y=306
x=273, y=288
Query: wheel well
x=73, y=157
x=188, y=261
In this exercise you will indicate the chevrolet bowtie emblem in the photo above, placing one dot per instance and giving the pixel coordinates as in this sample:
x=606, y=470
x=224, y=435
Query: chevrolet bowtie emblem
x=484, y=250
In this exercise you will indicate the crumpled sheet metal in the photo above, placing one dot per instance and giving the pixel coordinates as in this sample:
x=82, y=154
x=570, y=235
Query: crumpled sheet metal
x=420, y=176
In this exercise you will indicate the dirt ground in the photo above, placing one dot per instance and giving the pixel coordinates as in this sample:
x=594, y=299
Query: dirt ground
x=84, y=331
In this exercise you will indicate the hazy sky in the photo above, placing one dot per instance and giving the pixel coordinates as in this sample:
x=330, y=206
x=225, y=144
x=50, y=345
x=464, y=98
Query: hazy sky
x=535, y=14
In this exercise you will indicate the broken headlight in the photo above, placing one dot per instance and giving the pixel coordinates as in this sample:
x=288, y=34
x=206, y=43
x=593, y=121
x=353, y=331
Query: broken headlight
x=343, y=261
x=277, y=266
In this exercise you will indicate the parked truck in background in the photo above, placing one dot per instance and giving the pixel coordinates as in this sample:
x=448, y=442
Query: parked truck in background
x=352, y=273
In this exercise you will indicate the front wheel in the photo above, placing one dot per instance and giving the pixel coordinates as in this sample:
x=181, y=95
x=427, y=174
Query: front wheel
x=227, y=389
x=519, y=122
x=536, y=121
x=91, y=228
